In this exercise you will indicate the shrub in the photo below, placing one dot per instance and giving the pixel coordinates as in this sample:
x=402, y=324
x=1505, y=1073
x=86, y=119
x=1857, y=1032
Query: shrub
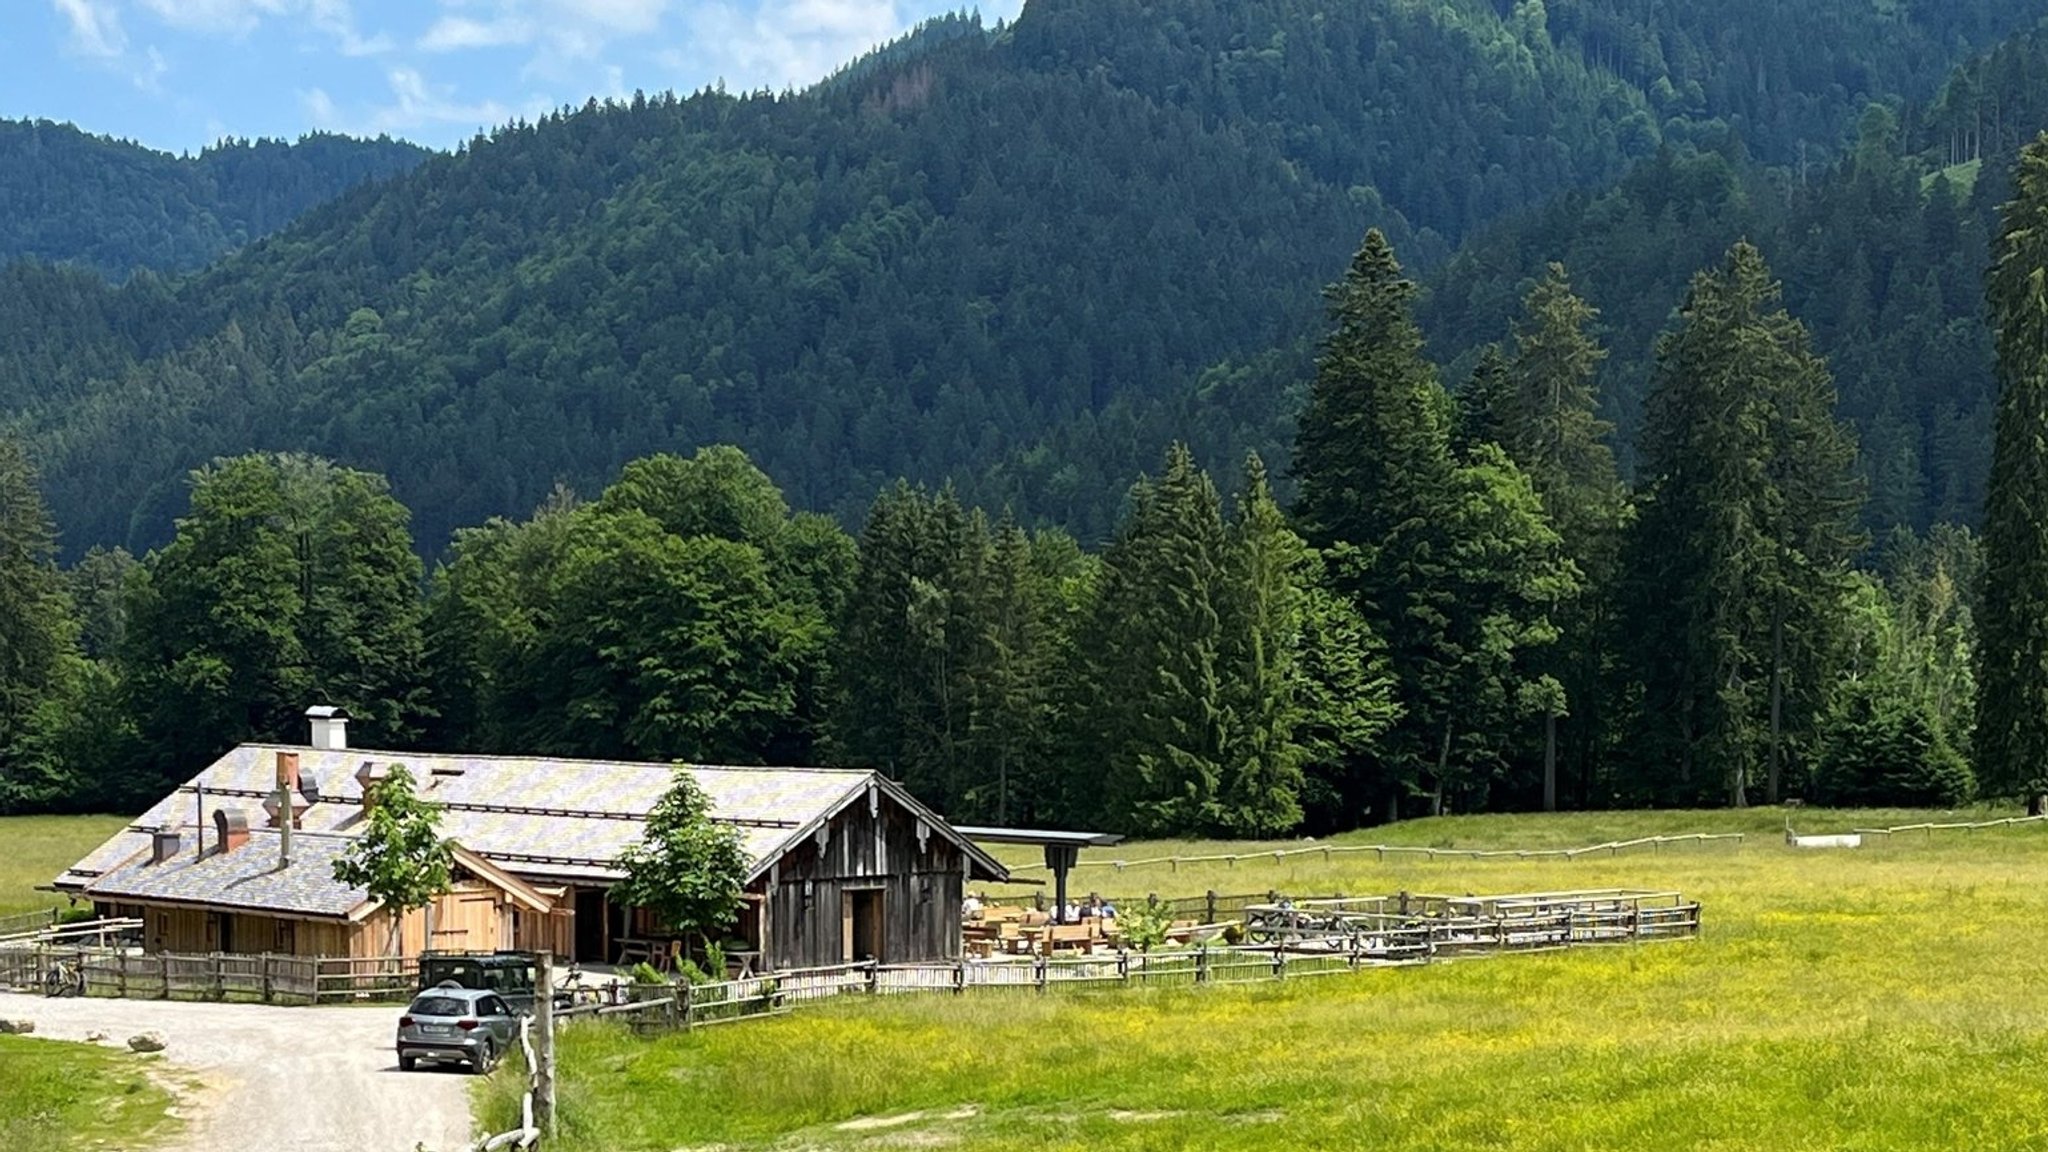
x=1146, y=925
x=1883, y=751
x=644, y=974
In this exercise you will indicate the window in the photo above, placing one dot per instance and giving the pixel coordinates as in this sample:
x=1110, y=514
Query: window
x=287, y=941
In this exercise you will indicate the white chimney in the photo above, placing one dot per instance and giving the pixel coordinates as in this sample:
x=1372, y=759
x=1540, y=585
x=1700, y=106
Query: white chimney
x=330, y=727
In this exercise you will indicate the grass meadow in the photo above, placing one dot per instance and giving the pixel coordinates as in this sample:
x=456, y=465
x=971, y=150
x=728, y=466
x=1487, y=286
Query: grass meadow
x=1892, y=997
x=60, y=1097
x=34, y=849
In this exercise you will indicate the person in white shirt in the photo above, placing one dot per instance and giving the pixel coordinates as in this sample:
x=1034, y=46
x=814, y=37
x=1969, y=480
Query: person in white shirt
x=970, y=908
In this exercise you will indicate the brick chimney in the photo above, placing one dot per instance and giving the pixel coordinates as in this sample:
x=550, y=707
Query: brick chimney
x=230, y=830
x=329, y=727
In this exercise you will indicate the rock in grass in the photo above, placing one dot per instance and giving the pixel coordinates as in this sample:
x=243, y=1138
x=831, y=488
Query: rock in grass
x=16, y=1027
x=146, y=1042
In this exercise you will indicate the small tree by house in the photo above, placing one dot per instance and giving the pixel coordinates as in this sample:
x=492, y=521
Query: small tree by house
x=400, y=859
x=687, y=870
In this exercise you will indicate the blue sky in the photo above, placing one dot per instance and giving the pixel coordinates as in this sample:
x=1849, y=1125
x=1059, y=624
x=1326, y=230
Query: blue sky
x=180, y=74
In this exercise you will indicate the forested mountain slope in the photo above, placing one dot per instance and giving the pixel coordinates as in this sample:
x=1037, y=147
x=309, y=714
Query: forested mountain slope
x=1019, y=259
x=67, y=196
x=1883, y=256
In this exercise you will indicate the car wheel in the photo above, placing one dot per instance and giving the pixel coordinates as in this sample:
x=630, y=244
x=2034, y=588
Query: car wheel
x=486, y=1058
x=408, y=1063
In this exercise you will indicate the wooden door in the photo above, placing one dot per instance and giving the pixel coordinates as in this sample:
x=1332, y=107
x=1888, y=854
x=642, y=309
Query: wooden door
x=861, y=926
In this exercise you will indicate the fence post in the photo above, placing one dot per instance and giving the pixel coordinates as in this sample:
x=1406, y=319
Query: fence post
x=267, y=990
x=1202, y=964
x=959, y=976
x=874, y=977
x=1279, y=963
x=220, y=976
x=1211, y=917
x=684, y=1000
x=121, y=973
x=163, y=964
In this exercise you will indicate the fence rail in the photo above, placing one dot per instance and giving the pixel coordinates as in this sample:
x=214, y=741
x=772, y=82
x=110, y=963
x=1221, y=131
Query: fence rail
x=1315, y=938
x=254, y=978
x=27, y=923
x=1383, y=851
x=1932, y=828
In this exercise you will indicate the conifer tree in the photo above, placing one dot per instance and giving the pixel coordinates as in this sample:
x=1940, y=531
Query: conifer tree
x=1555, y=435
x=38, y=633
x=1484, y=404
x=1263, y=626
x=1740, y=558
x=1455, y=567
x=2011, y=745
x=1150, y=718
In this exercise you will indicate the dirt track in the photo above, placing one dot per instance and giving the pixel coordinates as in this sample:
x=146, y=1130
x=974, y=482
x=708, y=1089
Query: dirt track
x=309, y=1079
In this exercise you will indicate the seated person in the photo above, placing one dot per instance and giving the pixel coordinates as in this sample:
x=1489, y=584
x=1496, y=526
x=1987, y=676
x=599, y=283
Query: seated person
x=970, y=908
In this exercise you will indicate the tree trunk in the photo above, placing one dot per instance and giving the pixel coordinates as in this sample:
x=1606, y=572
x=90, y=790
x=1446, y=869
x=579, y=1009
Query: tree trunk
x=1443, y=762
x=1776, y=774
x=1550, y=762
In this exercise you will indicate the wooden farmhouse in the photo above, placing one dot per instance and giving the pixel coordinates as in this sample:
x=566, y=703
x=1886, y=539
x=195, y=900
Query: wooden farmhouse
x=843, y=865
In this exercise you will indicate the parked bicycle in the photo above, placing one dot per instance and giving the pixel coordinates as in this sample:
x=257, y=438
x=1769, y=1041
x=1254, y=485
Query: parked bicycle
x=64, y=979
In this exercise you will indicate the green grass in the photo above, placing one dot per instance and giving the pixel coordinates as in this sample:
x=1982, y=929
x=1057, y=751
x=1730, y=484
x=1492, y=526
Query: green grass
x=1962, y=178
x=1894, y=997
x=34, y=849
x=61, y=1097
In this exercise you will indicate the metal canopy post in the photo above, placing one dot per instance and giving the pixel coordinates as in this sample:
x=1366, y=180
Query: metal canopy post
x=1061, y=858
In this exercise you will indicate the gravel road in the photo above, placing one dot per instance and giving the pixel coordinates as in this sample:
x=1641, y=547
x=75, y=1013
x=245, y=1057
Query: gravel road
x=308, y=1079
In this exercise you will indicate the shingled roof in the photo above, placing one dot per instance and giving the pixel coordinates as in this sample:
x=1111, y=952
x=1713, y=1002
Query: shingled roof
x=566, y=820
x=248, y=877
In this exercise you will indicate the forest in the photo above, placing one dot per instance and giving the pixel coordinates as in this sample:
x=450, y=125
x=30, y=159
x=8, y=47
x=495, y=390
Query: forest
x=1464, y=606
x=1017, y=259
x=118, y=208
x=975, y=415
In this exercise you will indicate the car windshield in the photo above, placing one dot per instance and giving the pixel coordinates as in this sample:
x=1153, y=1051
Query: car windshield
x=440, y=1006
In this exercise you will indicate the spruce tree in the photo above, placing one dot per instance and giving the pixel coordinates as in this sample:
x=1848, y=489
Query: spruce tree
x=1455, y=567
x=2011, y=745
x=1150, y=720
x=1555, y=435
x=1372, y=457
x=37, y=635
x=1265, y=605
x=1739, y=561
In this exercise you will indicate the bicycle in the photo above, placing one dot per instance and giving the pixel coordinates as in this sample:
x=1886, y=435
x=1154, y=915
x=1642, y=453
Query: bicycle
x=63, y=979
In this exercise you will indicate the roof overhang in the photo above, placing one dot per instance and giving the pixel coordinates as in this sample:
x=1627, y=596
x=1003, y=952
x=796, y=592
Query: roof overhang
x=1041, y=837
x=985, y=866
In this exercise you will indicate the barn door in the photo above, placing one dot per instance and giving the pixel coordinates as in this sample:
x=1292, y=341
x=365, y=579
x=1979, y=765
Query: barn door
x=860, y=926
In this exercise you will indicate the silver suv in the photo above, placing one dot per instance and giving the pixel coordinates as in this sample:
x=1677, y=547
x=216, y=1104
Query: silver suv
x=452, y=1024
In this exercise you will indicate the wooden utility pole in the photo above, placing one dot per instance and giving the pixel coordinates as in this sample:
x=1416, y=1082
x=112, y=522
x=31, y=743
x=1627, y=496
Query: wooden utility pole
x=544, y=1056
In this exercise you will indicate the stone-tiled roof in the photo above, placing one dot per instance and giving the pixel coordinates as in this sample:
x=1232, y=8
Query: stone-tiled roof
x=248, y=877
x=559, y=819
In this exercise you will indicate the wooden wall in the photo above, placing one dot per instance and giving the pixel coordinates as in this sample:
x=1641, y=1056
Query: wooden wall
x=873, y=846
x=196, y=930
x=472, y=917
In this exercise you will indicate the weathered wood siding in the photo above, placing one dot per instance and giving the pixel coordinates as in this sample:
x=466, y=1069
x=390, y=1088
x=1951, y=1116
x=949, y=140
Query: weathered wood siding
x=872, y=846
x=196, y=930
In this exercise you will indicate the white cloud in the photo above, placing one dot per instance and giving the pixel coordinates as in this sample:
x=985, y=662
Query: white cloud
x=782, y=43
x=334, y=19
x=95, y=28
x=417, y=104
x=460, y=33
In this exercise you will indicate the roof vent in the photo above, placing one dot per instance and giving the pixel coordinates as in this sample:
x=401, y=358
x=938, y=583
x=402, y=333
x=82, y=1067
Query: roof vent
x=164, y=844
x=230, y=830
x=330, y=727
x=309, y=787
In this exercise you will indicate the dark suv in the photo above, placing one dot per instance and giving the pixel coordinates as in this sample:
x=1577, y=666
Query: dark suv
x=509, y=974
x=455, y=1025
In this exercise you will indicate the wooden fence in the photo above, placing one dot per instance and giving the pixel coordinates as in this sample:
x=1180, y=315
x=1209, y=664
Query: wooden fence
x=258, y=979
x=1382, y=851
x=27, y=923
x=1314, y=938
